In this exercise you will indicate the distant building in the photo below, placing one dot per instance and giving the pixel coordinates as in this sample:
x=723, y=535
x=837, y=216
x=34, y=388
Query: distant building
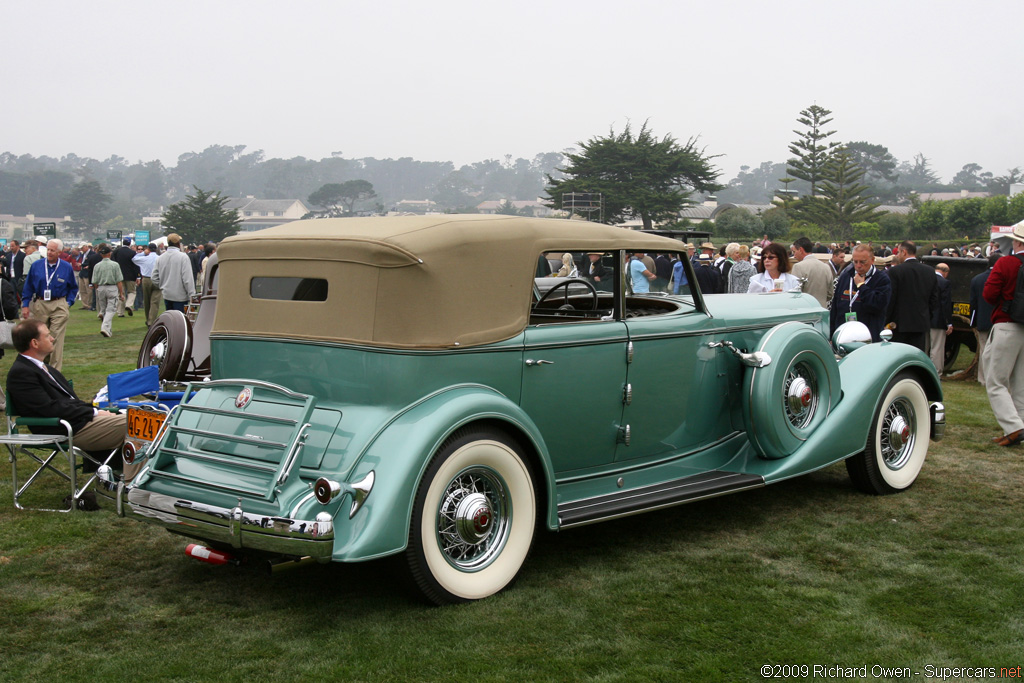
x=950, y=196
x=422, y=206
x=20, y=227
x=536, y=208
x=257, y=214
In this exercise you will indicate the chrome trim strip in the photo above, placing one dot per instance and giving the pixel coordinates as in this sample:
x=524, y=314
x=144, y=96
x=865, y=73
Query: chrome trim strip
x=160, y=474
x=293, y=454
x=497, y=347
x=660, y=507
x=575, y=343
x=220, y=461
x=302, y=501
x=231, y=437
x=234, y=413
x=256, y=383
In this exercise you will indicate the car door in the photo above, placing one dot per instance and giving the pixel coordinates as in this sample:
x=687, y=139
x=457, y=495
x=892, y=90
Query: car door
x=677, y=394
x=573, y=383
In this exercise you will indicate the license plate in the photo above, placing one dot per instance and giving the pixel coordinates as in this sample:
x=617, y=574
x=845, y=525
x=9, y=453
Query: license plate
x=143, y=424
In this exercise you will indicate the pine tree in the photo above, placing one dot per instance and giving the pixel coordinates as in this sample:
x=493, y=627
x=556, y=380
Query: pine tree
x=840, y=202
x=202, y=217
x=811, y=150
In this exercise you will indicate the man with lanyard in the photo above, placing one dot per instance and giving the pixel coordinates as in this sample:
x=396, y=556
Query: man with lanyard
x=50, y=290
x=862, y=293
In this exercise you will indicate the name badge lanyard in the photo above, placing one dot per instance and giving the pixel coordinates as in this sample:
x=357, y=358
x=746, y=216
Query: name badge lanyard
x=856, y=292
x=49, y=278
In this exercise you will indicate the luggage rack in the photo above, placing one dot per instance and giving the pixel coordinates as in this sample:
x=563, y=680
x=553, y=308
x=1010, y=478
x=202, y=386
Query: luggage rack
x=167, y=447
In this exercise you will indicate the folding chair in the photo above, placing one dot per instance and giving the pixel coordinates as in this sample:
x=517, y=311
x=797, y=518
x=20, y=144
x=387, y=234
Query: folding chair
x=124, y=388
x=60, y=447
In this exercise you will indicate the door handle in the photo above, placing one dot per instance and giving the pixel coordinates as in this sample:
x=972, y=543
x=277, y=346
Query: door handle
x=532, y=362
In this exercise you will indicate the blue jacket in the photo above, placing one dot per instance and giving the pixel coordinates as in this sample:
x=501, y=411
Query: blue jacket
x=63, y=283
x=871, y=303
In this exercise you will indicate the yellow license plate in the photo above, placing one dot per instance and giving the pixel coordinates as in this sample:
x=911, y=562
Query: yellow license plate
x=143, y=425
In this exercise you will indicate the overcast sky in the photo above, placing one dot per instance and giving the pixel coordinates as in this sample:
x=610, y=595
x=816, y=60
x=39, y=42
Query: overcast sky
x=467, y=81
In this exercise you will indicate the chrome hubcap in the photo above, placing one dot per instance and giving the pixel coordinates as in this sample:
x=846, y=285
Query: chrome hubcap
x=800, y=395
x=156, y=354
x=899, y=431
x=473, y=519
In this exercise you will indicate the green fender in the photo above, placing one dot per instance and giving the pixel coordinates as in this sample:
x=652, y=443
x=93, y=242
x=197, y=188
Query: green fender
x=865, y=373
x=800, y=357
x=400, y=453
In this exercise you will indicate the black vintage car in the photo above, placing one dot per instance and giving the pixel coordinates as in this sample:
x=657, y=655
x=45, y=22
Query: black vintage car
x=961, y=272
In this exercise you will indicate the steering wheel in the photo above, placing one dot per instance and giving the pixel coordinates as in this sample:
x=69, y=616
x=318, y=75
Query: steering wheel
x=566, y=283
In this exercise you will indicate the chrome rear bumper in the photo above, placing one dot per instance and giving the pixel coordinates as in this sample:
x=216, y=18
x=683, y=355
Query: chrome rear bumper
x=230, y=526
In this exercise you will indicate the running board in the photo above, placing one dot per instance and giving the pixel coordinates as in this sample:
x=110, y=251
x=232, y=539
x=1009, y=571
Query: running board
x=634, y=501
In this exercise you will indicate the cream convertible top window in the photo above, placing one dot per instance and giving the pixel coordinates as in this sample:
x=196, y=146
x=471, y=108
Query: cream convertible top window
x=402, y=282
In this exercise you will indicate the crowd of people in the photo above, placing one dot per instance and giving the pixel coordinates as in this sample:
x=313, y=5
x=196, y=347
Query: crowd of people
x=47, y=277
x=876, y=285
x=41, y=280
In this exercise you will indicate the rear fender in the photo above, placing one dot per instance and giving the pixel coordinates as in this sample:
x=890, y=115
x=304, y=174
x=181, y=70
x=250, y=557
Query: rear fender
x=864, y=374
x=398, y=456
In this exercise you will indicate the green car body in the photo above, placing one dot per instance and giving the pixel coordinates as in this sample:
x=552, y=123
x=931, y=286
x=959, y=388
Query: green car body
x=340, y=448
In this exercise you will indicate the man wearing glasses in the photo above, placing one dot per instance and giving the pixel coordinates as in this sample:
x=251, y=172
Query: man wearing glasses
x=862, y=294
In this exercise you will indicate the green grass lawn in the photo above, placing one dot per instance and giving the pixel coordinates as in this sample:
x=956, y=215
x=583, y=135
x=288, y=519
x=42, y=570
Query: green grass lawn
x=807, y=571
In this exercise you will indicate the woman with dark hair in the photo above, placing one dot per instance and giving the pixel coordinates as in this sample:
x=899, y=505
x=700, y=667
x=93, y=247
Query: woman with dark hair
x=773, y=272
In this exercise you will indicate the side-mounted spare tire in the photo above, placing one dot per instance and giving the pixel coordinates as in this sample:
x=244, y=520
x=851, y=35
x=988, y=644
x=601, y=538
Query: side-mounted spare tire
x=786, y=400
x=169, y=345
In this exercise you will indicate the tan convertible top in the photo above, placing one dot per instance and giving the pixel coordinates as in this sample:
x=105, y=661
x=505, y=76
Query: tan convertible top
x=403, y=282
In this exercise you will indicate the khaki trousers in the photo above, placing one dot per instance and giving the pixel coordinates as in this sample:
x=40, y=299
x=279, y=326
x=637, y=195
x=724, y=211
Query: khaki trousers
x=937, y=344
x=982, y=342
x=85, y=292
x=1004, y=375
x=107, y=302
x=105, y=432
x=153, y=298
x=129, y=298
x=55, y=315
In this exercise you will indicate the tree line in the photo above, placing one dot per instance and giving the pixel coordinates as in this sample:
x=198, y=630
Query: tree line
x=830, y=188
x=825, y=190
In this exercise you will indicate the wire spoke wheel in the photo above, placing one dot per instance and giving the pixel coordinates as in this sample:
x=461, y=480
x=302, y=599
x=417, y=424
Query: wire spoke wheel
x=898, y=441
x=800, y=395
x=473, y=519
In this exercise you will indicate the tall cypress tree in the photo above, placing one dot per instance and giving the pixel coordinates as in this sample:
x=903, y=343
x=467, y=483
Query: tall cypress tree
x=811, y=149
x=841, y=201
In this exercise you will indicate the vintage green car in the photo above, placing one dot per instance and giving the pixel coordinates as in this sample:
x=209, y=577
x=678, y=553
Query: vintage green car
x=402, y=385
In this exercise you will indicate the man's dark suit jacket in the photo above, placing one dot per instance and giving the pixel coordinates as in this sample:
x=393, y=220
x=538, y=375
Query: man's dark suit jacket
x=942, y=317
x=915, y=294
x=124, y=255
x=36, y=395
x=981, y=310
x=14, y=265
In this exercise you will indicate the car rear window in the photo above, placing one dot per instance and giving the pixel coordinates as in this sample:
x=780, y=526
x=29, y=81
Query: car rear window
x=288, y=288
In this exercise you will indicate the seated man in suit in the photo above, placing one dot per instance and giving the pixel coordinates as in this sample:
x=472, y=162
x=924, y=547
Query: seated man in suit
x=39, y=390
